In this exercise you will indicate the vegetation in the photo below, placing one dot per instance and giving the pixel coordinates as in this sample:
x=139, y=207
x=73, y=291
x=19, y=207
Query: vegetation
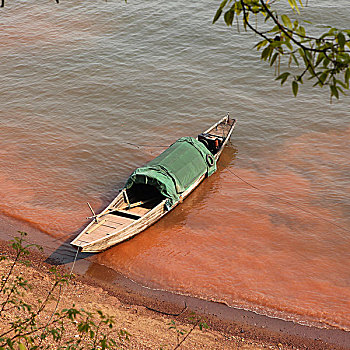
x=28, y=330
x=285, y=43
x=41, y=325
x=182, y=334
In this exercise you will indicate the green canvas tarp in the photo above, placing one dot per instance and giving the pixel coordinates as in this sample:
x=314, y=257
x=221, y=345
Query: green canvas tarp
x=176, y=169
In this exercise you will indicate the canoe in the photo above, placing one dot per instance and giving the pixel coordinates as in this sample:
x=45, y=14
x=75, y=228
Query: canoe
x=156, y=188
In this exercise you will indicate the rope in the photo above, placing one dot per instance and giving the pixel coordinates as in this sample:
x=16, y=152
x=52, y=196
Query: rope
x=288, y=202
x=75, y=259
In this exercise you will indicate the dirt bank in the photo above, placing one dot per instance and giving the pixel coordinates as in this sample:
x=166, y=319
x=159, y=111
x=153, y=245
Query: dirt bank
x=146, y=314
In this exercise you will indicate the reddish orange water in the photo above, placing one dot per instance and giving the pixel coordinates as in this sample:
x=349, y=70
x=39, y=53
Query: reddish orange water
x=32, y=188
x=276, y=248
x=230, y=242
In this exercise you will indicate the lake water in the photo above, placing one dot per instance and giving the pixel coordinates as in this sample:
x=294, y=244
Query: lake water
x=89, y=91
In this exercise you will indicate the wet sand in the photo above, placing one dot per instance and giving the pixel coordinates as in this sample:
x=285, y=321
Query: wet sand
x=230, y=328
x=231, y=321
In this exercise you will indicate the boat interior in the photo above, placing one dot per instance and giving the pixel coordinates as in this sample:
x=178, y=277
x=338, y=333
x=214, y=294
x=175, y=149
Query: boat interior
x=139, y=200
x=214, y=138
x=131, y=206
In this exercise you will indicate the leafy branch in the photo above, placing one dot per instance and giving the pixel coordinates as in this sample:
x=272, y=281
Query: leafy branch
x=93, y=330
x=285, y=43
x=182, y=334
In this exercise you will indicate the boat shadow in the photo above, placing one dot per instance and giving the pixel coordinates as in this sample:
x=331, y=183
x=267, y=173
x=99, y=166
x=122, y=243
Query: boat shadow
x=66, y=254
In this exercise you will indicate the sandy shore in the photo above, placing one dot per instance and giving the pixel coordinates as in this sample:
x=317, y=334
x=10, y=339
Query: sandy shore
x=146, y=314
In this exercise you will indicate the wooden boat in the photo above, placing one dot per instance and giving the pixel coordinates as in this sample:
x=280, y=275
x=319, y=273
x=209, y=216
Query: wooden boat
x=156, y=188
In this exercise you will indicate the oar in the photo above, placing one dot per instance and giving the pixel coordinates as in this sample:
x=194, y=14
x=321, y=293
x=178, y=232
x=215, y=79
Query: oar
x=94, y=216
x=126, y=198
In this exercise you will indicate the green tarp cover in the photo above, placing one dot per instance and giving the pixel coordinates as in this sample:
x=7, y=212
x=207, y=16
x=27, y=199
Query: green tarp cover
x=176, y=169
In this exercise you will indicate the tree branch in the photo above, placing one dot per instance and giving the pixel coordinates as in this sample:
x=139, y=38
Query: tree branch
x=285, y=31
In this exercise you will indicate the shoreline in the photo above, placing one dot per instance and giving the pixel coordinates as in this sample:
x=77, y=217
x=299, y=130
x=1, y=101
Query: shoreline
x=231, y=323
x=221, y=317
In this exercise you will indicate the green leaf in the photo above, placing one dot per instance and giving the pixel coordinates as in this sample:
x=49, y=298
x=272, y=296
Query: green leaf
x=341, y=39
x=276, y=44
x=238, y=7
x=339, y=88
x=295, y=88
x=320, y=58
x=217, y=15
x=323, y=77
x=246, y=20
x=334, y=92
x=275, y=29
x=266, y=53
x=21, y=346
x=301, y=31
x=326, y=62
x=288, y=44
x=229, y=17
x=347, y=76
x=295, y=59
x=283, y=77
x=342, y=84
x=293, y=4
x=219, y=11
x=260, y=44
x=287, y=22
x=273, y=59
x=203, y=325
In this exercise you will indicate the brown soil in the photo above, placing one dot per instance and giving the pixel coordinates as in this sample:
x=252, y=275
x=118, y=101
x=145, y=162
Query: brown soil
x=146, y=314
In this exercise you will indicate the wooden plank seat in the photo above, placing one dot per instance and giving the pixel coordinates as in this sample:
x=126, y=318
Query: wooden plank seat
x=213, y=135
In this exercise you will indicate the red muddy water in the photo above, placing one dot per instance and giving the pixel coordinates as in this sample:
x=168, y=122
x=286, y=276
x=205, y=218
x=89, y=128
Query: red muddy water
x=268, y=241
x=276, y=250
x=31, y=185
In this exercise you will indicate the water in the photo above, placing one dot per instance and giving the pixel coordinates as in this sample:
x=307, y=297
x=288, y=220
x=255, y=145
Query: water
x=82, y=84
